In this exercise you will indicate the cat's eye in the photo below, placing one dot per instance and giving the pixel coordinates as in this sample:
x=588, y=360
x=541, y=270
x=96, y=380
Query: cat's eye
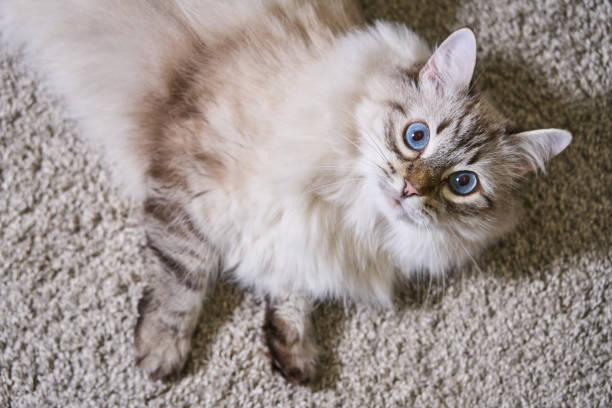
x=416, y=136
x=463, y=182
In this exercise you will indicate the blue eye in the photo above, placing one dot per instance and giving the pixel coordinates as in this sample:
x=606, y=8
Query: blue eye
x=463, y=182
x=417, y=136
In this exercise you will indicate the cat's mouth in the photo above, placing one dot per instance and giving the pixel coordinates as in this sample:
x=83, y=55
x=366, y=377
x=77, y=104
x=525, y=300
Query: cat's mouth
x=393, y=198
x=405, y=208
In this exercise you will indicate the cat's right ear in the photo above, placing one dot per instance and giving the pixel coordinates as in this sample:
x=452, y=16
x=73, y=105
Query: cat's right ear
x=451, y=66
x=536, y=147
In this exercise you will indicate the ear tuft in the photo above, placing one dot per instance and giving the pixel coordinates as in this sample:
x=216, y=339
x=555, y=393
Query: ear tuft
x=539, y=146
x=452, y=64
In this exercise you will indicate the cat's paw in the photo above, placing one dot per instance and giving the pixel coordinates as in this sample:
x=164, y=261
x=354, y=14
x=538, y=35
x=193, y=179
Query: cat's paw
x=159, y=350
x=294, y=357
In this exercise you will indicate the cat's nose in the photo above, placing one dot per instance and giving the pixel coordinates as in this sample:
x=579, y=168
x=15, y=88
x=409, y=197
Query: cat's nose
x=409, y=189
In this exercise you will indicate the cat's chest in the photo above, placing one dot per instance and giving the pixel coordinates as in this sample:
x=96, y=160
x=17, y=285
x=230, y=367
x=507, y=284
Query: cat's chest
x=288, y=243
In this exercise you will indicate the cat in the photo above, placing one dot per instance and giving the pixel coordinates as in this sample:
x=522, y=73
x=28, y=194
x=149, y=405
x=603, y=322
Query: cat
x=287, y=143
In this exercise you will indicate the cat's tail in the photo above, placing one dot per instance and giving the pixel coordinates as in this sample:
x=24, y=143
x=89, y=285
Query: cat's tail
x=103, y=57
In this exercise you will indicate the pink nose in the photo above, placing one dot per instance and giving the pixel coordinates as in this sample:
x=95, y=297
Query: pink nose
x=409, y=190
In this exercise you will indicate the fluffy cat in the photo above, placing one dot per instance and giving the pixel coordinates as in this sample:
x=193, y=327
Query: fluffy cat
x=284, y=142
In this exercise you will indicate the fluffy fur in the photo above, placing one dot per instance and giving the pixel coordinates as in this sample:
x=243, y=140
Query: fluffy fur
x=265, y=139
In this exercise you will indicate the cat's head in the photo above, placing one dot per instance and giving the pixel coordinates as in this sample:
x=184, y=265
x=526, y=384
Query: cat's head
x=437, y=157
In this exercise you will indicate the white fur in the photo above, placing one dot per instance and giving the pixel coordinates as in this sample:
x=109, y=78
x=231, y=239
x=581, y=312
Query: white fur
x=301, y=209
x=104, y=55
x=339, y=242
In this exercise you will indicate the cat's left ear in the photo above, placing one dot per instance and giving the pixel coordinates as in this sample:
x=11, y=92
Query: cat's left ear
x=452, y=64
x=536, y=147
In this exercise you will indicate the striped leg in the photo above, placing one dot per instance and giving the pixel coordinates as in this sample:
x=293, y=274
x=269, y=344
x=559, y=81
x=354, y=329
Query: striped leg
x=289, y=337
x=183, y=264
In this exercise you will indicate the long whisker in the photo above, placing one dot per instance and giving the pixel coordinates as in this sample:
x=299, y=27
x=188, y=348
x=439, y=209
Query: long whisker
x=377, y=166
x=350, y=141
x=471, y=257
x=376, y=147
x=430, y=275
x=370, y=142
x=338, y=183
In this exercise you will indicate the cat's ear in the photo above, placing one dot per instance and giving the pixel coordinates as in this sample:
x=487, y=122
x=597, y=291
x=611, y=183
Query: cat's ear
x=536, y=147
x=452, y=64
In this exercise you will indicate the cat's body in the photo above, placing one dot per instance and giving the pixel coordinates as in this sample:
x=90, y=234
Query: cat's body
x=267, y=139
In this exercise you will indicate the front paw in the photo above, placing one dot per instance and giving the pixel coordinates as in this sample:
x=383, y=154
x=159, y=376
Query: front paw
x=160, y=348
x=294, y=357
x=160, y=353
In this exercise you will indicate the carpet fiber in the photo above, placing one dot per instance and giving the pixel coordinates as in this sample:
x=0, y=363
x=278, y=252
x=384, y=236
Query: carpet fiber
x=530, y=326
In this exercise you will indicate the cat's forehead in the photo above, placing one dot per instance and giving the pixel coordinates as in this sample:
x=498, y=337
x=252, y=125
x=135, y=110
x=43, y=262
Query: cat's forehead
x=436, y=110
x=425, y=103
x=464, y=127
x=466, y=133
x=452, y=119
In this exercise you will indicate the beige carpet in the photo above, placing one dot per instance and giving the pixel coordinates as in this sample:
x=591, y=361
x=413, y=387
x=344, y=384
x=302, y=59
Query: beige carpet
x=530, y=328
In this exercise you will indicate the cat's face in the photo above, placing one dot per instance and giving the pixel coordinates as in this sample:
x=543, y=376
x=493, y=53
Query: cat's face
x=442, y=163
x=436, y=156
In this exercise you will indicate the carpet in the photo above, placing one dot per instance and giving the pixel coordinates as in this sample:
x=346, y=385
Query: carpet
x=529, y=325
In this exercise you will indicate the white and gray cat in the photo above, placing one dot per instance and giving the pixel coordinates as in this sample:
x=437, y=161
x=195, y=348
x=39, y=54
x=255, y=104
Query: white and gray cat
x=286, y=141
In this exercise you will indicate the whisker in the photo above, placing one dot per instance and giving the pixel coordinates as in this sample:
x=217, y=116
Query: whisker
x=199, y=194
x=376, y=147
x=337, y=183
x=370, y=142
x=471, y=257
x=430, y=275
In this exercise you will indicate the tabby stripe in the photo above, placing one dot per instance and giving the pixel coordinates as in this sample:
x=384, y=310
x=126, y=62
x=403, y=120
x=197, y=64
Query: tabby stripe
x=470, y=209
x=391, y=143
x=443, y=125
x=396, y=106
x=159, y=210
x=147, y=304
x=194, y=230
x=460, y=123
x=173, y=216
x=412, y=74
x=489, y=201
x=475, y=158
x=475, y=143
x=175, y=267
x=464, y=209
